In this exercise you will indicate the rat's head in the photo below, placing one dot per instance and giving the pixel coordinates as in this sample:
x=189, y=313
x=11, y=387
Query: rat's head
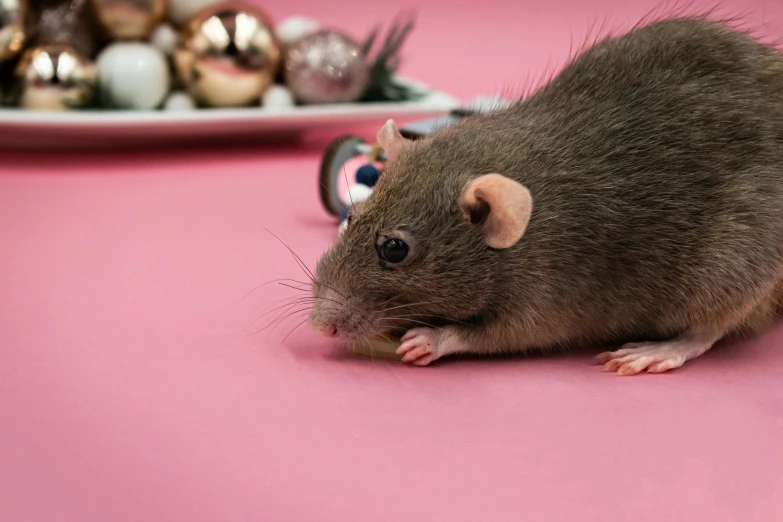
x=425, y=248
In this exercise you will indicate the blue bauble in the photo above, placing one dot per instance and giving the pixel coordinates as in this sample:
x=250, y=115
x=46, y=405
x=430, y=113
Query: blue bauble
x=367, y=175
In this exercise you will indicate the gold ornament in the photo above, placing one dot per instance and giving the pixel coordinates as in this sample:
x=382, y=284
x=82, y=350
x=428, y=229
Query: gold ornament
x=12, y=27
x=53, y=77
x=228, y=55
x=129, y=19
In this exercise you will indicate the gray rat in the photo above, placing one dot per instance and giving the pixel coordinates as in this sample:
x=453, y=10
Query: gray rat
x=636, y=198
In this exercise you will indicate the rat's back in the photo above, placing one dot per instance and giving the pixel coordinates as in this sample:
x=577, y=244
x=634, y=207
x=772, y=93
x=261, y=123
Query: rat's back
x=655, y=162
x=661, y=179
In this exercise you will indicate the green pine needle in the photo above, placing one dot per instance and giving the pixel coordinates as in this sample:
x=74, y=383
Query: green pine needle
x=383, y=85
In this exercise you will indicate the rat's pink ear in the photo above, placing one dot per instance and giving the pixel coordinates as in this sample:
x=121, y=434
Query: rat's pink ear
x=390, y=140
x=500, y=206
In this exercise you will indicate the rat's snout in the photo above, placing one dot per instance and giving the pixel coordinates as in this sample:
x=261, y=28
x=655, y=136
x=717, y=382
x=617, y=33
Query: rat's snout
x=322, y=317
x=327, y=329
x=333, y=316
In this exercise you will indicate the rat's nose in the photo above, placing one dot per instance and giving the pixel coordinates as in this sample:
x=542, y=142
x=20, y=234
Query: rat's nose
x=328, y=329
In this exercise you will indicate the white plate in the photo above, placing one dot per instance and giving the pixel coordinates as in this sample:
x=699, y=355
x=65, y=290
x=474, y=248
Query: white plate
x=109, y=129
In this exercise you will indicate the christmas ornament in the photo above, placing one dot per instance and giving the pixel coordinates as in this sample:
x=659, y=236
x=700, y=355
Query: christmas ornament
x=12, y=27
x=277, y=97
x=133, y=75
x=358, y=193
x=228, y=55
x=179, y=101
x=53, y=78
x=180, y=11
x=326, y=67
x=295, y=27
x=368, y=175
x=164, y=37
x=63, y=22
x=129, y=19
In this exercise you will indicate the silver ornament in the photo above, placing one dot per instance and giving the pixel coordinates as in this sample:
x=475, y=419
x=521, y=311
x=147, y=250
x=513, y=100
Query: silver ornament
x=326, y=67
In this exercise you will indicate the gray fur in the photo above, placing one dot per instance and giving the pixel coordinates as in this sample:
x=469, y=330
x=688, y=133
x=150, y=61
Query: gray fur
x=655, y=162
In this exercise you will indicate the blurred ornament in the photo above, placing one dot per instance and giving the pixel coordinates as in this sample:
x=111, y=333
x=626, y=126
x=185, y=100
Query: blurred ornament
x=326, y=67
x=62, y=22
x=129, y=19
x=179, y=101
x=228, y=55
x=13, y=14
x=368, y=175
x=358, y=193
x=180, y=11
x=133, y=75
x=53, y=78
x=295, y=27
x=278, y=97
x=164, y=37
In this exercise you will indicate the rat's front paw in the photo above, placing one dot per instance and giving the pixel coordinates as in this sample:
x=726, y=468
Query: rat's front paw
x=420, y=346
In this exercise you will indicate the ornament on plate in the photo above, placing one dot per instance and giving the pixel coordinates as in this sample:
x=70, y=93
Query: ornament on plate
x=228, y=55
x=180, y=11
x=133, y=75
x=358, y=193
x=277, y=97
x=13, y=14
x=179, y=101
x=63, y=22
x=295, y=27
x=53, y=78
x=164, y=37
x=129, y=19
x=326, y=67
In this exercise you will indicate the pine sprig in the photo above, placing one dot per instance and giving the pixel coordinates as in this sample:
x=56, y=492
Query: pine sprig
x=94, y=99
x=383, y=69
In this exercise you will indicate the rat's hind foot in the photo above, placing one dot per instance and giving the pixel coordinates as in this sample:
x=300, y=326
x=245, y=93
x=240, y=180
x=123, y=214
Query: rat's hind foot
x=421, y=346
x=658, y=357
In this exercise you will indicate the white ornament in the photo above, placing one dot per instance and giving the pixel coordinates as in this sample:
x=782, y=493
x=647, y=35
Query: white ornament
x=165, y=39
x=295, y=27
x=179, y=101
x=180, y=11
x=133, y=75
x=358, y=192
x=277, y=97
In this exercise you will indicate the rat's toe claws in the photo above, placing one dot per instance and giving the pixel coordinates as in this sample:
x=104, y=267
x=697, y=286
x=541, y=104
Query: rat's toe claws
x=404, y=348
x=603, y=358
x=419, y=351
x=424, y=361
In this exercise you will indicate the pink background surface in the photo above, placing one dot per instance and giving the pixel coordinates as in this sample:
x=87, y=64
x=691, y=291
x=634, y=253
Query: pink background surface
x=125, y=394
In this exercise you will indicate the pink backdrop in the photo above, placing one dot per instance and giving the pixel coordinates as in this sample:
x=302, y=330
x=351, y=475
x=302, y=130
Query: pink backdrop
x=126, y=396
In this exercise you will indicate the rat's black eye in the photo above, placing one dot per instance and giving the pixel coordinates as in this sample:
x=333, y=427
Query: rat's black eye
x=396, y=248
x=393, y=251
